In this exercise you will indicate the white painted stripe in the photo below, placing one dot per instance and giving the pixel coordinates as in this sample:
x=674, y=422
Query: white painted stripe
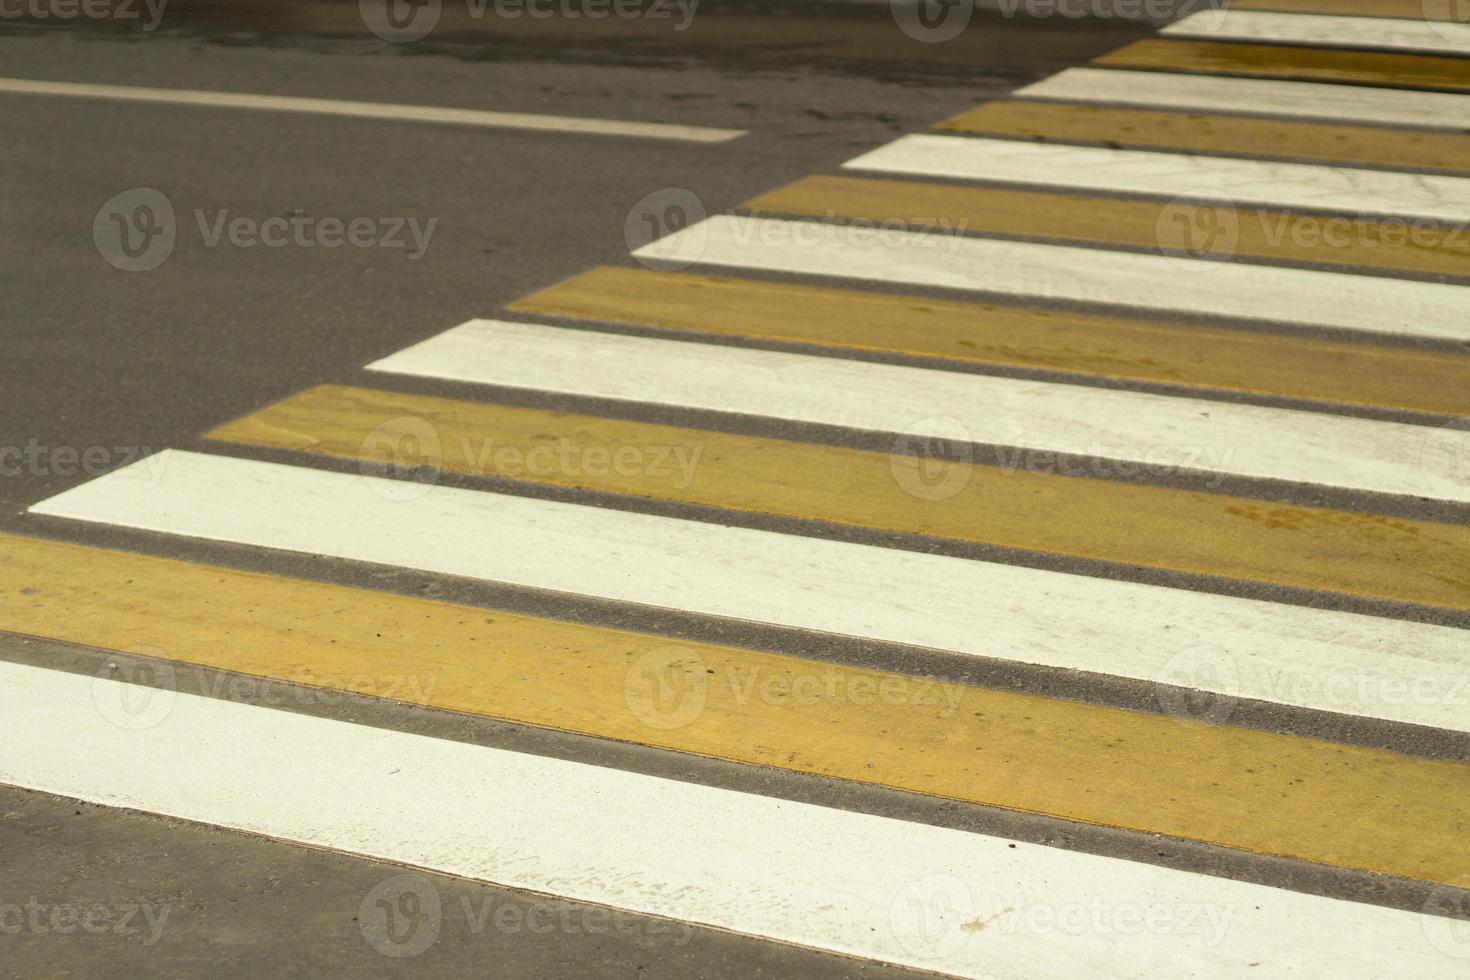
x=1175, y=175
x=372, y=110
x=1091, y=275
x=1237, y=647
x=1136, y=427
x=1357, y=104
x=1317, y=30
x=835, y=880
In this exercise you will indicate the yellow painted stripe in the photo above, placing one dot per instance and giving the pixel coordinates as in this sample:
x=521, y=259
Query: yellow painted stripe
x=1179, y=229
x=1298, y=63
x=1413, y=561
x=1214, y=133
x=977, y=333
x=1400, y=9
x=1251, y=790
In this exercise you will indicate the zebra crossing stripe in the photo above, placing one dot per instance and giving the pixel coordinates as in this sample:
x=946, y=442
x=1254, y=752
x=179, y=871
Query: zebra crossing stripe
x=1402, y=71
x=1180, y=176
x=1217, y=133
x=1177, y=227
x=1322, y=30
x=1039, y=510
x=1437, y=10
x=851, y=883
x=1355, y=104
x=1165, y=284
x=1223, y=644
x=1162, y=432
x=951, y=331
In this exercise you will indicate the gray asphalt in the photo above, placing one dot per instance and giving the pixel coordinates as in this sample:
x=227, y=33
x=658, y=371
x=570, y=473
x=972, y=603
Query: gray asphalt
x=104, y=365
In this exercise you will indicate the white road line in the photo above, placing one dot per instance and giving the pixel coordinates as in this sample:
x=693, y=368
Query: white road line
x=373, y=110
x=852, y=883
x=1136, y=427
x=1319, y=30
x=1357, y=104
x=1235, y=647
x=1090, y=275
x=1171, y=175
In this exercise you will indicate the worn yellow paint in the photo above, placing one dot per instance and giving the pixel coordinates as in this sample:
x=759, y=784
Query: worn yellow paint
x=1240, y=788
x=1400, y=9
x=1297, y=63
x=1201, y=230
x=976, y=333
x=1215, y=133
x=1239, y=538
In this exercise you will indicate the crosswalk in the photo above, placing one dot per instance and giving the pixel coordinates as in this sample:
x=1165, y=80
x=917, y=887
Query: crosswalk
x=1371, y=100
x=1135, y=403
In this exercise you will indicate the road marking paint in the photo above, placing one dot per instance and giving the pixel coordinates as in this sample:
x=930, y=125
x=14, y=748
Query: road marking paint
x=1061, y=272
x=1218, y=134
x=1174, y=433
x=372, y=110
x=979, y=333
x=1258, y=96
x=1407, y=9
x=1173, y=227
x=831, y=879
x=1199, y=533
x=1325, y=30
x=1320, y=659
x=1256, y=182
x=1241, y=788
x=1406, y=71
